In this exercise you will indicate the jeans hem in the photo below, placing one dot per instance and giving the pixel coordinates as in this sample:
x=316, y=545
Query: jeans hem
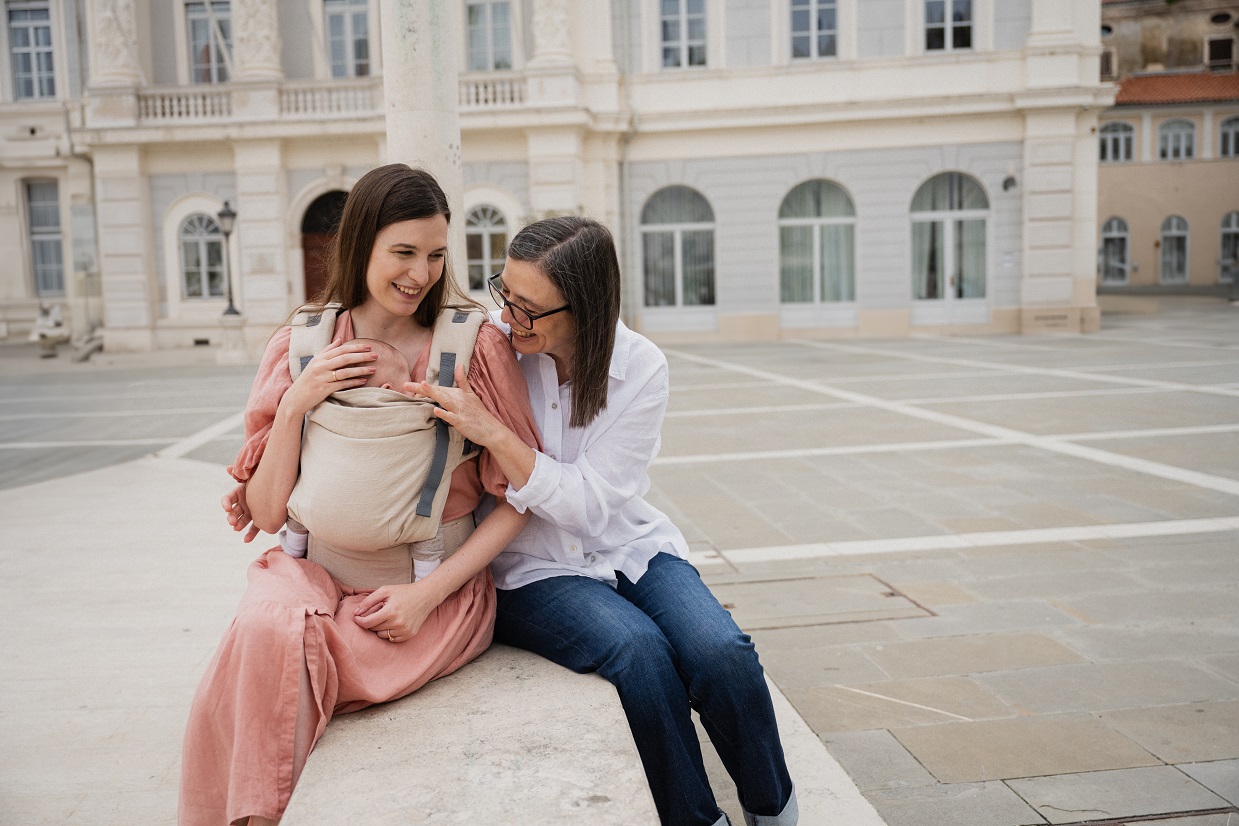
x=787, y=817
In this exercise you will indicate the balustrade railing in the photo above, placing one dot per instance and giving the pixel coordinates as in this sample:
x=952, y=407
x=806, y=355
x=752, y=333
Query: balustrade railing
x=184, y=105
x=330, y=99
x=482, y=92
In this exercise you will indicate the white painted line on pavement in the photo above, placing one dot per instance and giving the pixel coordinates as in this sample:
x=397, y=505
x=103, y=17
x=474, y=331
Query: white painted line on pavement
x=83, y=443
x=903, y=702
x=1005, y=434
x=207, y=434
x=980, y=539
x=1019, y=368
x=1033, y=396
x=169, y=411
x=1198, y=430
x=751, y=411
x=824, y=792
x=842, y=450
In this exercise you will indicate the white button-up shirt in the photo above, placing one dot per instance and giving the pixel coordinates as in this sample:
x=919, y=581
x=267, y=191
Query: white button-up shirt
x=587, y=485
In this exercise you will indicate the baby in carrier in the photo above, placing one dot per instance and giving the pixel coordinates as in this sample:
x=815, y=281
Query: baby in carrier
x=356, y=441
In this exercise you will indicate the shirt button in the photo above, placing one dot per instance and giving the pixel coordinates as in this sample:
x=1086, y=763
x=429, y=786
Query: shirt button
x=554, y=405
x=592, y=557
x=572, y=547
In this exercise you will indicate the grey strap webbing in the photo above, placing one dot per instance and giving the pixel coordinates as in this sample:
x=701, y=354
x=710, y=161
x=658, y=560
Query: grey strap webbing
x=447, y=377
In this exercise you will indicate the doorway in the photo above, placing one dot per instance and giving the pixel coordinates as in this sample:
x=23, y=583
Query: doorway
x=318, y=233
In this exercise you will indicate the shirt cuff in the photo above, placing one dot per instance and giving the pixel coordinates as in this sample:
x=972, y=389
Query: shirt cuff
x=543, y=482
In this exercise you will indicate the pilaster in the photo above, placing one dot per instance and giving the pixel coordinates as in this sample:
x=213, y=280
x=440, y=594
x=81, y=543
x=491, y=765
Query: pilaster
x=116, y=72
x=124, y=249
x=556, y=170
x=256, y=41
x=260, y=284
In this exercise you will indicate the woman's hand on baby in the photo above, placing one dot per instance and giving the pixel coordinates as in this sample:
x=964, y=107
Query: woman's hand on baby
x=460, y=407
x=238, y=513
x=340, y=366
x=396, y=612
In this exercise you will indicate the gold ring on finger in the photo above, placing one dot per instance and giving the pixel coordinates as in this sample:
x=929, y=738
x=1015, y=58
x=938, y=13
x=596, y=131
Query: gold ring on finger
x=333, y=376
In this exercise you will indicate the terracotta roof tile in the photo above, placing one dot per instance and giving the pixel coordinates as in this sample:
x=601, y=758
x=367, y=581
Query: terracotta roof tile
x=1197, y=87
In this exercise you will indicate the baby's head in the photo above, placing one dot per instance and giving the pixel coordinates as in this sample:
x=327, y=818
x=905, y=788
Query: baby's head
x=391, y=369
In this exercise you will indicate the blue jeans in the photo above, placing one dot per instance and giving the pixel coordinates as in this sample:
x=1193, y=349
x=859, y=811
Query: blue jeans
x=666, y=645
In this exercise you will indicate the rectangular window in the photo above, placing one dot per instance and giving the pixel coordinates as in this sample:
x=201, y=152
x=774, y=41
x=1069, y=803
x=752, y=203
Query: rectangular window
x=815, y=28
x=1221, y=54
x=1107, y=64
x=348, y=37
x=489, y=32
x=30, y=48
x=683, y=33
x=210, y=41
x=43, y=209
x=948, y=25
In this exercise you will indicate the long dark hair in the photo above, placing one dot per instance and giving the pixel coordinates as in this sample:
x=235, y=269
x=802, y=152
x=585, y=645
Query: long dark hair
x=578, y=256
x=384, y=196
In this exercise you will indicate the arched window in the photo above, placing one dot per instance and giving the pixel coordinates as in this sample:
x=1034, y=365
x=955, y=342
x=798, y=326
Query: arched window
x=1116, y=139
x=677, y=245
x=949, y=213
x=1228, y=258
x=1114, y=252
x=817, y=227
x=1174, y=250
x=1176, y=140
x=486, y=242
x=1228, y=138
x=202, y=258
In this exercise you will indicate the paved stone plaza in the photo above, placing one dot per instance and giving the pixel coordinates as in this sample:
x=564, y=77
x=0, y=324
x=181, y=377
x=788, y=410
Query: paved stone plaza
x=996, y=577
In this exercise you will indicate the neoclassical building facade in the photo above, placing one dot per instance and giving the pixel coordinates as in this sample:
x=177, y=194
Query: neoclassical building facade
x=770, y=168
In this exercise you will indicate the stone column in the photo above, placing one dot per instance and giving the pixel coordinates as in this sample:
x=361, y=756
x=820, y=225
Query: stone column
x=551, y=43
x=129, y=291
x=556, y=163
x=257, y=246
x=116, y=72
x=421, y=93
x=255, y=41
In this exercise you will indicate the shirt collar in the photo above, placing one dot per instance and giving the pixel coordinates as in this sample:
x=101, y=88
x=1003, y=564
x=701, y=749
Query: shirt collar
x=623, y=350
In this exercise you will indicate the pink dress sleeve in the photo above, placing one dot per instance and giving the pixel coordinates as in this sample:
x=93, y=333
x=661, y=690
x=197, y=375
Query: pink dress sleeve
x=270, y=385
x=498, y=381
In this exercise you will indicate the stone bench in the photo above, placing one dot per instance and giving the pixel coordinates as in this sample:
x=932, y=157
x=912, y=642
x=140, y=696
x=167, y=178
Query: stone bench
x=509, y=739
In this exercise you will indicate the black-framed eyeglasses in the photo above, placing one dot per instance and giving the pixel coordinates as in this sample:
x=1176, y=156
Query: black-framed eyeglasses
x=519, y=314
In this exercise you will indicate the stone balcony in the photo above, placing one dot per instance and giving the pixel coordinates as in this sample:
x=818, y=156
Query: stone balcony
x=293, y=102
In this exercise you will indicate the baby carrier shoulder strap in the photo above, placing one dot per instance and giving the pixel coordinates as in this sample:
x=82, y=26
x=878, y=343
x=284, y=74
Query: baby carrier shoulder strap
x=312, y=328
x=452, y=342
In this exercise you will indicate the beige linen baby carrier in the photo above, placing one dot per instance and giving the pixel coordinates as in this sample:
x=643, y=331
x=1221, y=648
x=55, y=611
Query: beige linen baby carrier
x=376, y=464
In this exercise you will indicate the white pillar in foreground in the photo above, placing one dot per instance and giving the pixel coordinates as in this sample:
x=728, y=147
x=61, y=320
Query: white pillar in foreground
x=421, y=94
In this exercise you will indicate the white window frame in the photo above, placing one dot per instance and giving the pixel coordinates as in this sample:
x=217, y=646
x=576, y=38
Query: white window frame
x=948, y=27
x=489, y=265
x=347, y=10
x=947, y=308
x=1176, y=140
x=513, y=30
x=815, y=7
x=205, y=310
x=684, y=43
x=1119, y=137
x=982, y=29
x=185, y=59
x=818, y=224
x=55, y=48
x=1175, y=232
x=46, y=234
x=1210, y=40
x=1112, y=57
x=1110, y=231
x=677, y=231
x=1228, y=138
x=1228, y=266
x=59, y=57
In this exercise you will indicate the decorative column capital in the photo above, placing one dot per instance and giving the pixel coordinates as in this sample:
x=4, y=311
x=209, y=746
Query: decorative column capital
x=552, y=43
x=114, y=44
x=256, y=41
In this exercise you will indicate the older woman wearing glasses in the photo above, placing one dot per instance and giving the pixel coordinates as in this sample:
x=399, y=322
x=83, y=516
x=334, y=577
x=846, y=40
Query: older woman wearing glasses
x=598, y=580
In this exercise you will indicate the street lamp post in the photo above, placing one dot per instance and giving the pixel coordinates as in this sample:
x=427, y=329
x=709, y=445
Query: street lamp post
x=227, y=220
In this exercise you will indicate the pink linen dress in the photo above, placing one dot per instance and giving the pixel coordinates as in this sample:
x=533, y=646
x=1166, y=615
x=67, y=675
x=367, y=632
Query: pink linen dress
x=238, y=757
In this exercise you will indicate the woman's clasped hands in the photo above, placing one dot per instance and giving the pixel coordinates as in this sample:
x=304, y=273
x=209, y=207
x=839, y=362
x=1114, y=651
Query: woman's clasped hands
x=341, y=366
